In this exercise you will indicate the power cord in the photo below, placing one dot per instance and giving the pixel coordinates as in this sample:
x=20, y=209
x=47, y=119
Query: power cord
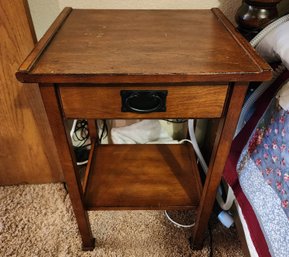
x=178, y=224
x=104, y=131
x=224, y=205
x=230, y=195
x=80, y=137
x=80, y=132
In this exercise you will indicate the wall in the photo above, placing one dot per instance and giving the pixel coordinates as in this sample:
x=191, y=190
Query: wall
x=228, y=7
x=44, y=11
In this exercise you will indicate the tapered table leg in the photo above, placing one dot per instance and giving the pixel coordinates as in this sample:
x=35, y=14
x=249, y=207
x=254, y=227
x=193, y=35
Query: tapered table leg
x=65, y=151
x=226, y=130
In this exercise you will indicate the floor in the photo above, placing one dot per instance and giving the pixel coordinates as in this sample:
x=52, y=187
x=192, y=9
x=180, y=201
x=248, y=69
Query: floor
x=37, y=220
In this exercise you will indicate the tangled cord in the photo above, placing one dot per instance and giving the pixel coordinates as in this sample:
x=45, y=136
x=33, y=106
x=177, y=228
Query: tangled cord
x=80, y=133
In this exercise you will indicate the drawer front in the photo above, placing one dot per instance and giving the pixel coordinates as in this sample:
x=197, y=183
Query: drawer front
x=105, y=102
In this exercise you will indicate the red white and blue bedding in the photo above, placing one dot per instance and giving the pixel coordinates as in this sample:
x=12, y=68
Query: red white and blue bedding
x=258, y=172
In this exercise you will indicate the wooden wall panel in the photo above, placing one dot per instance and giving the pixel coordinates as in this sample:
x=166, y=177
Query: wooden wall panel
x=27, y=150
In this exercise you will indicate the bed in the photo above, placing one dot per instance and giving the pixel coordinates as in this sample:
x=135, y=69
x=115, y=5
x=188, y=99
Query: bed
x=257, y=168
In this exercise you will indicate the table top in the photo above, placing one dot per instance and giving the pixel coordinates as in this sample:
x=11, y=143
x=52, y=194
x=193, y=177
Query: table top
x=133, y=46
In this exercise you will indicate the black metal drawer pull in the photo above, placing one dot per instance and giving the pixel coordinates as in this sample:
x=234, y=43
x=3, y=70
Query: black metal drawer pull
x=143, y=101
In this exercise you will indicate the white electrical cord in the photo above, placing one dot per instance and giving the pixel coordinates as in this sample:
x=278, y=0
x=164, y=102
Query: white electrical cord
x=263, y=87
x=72, y=131
x=178, y=224
x=255, y=96
x=251, y=100
x=230, y=195
x=256, y=40
x=249, y=103
x=81, y=163
x=73, y=128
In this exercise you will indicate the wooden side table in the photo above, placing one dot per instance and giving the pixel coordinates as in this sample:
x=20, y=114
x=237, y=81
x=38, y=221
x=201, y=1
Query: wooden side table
x=142, y=64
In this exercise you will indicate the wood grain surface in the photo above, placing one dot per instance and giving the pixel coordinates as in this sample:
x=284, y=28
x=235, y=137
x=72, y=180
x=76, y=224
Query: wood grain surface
x=198, y=101
x=221, y=149
x=71, y=173
x=146, y=47
x=114, y=46
x=143, y=177
x=28, y=153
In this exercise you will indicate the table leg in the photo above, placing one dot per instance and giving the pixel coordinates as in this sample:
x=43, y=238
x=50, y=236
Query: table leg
x=65, y=151
x=92, y=129
x=222, y=145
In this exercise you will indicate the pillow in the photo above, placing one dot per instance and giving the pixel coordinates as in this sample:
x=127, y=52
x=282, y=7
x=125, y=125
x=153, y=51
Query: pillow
x=275, y=45
x=283, y=96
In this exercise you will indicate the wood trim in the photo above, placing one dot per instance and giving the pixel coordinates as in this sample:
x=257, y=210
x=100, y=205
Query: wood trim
x=123, y=78
x=26, y=72
x=263, y=66
x=32, y=58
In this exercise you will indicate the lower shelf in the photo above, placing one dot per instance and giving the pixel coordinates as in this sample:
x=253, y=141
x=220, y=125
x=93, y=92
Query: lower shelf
x=143, y=177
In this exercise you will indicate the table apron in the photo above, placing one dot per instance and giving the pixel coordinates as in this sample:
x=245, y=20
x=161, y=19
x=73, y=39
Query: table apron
x=105, y=102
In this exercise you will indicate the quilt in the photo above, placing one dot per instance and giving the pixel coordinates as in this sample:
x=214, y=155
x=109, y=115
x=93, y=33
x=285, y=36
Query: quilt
x=258, y=172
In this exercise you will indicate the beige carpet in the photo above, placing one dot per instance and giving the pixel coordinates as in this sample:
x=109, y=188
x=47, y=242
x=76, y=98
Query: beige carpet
x=37, y=220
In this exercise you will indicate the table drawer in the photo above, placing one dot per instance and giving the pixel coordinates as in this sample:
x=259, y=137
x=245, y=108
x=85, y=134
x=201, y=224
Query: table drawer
x=104, y=102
